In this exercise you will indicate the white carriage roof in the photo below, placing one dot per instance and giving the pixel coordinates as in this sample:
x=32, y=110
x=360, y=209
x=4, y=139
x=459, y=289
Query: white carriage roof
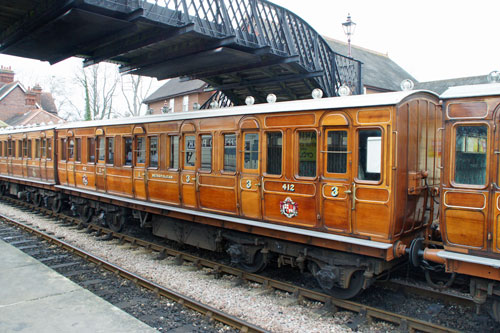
x=6, y=130
x=476, y=90
x=391, y=98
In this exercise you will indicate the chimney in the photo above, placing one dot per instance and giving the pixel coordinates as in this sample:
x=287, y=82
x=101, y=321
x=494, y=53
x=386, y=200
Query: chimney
x=37, y=90
x=30, y=97
x=6, y=75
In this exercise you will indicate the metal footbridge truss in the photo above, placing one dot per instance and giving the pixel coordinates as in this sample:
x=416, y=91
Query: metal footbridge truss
x=240, y=47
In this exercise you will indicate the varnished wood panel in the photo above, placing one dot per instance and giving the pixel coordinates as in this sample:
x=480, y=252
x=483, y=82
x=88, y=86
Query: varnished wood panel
x=373, y=116
x=465, y=199
x=290, y=120
x=465, y=227
x=468, y=110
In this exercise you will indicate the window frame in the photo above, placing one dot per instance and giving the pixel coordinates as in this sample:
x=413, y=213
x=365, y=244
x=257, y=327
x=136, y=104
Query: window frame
x=90, y=151
x=19, y=149
x=98, y=148
x=78, y=150
x=71, y=149
x=259, y=152
x=124, y=139
x=223, y=143
x=382, y=154
x=136, y=150
x=171, y=158
x=49, y=149
x=266, y=160
x=453, y=156
x=348, y=152
x=201, y=169
x=107, y=160
x=297, y=153
x=184, y=151
x=148, y=151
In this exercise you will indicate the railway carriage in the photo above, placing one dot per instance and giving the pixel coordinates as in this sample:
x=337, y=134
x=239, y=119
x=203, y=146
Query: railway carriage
x=336, y=185
x=27, y=158
x=470, y=194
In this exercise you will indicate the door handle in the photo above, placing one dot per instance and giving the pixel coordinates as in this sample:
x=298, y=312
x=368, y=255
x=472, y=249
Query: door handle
x=353, y=207
x=347, y=191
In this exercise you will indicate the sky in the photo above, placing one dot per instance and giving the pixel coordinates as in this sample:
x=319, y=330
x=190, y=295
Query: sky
x=431, y=40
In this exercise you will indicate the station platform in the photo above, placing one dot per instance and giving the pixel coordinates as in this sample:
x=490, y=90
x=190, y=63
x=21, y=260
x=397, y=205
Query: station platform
x=34, y=298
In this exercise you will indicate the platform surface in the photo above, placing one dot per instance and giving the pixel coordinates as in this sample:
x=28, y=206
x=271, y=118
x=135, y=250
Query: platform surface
x=35, y=298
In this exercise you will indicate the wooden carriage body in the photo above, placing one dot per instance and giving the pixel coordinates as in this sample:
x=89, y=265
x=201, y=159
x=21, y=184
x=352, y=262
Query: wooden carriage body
x=346, y=173
x=28, y=154
x=470, y=194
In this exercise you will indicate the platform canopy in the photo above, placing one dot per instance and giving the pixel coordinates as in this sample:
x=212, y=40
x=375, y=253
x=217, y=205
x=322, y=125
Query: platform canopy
x=241, y=47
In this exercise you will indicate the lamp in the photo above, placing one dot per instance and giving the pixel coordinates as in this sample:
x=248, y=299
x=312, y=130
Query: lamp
x=349, y=26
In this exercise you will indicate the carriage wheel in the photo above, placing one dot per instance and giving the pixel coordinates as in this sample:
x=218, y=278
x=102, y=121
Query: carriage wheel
x=56, y=205
x=87, y=214
x=258, y=264
x=356, y=283
x=37, y=199
x=117, y=222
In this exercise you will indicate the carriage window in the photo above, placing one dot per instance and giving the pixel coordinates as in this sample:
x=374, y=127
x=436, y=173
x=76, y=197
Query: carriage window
x=101, y=149
x=19, y=149
x=37, y=148
x=127, y=144
x=470, y=157
x=251, y=151
x=174, y=152
x=336, y=160
x=71, y=149
x=229, y=152
x=206, y=152
x=153, y=152
x=140, y=156
x=91, y=150
x=369, y=154
x=5, y=149
x=1, y=148
x=29, y=149
x=44, y=148
x=78, y=149
x=189, y=150
x=274, y=153
x=49, y=149
x=307, y=154
x=110, y=158
x=9, y=148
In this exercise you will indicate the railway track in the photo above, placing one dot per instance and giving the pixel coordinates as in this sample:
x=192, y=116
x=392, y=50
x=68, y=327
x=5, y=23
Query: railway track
x=25, y=244
x=365, y=313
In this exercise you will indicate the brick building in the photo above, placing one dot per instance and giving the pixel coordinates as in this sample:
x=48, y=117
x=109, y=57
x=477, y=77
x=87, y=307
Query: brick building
x=21, y=106
x=177, y=95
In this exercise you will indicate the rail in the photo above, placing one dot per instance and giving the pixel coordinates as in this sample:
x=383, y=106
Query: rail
x=331, y=303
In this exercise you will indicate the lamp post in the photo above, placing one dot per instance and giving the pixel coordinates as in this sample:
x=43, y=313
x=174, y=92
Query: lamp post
x=349, y=26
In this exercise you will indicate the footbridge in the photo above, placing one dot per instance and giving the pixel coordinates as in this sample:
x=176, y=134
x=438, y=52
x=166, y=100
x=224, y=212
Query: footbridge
x=240, y=47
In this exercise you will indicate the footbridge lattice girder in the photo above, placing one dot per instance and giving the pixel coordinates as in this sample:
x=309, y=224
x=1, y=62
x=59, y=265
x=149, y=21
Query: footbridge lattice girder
x=238, y=46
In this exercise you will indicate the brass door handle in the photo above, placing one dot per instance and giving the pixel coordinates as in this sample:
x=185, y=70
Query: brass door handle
x=348, y=191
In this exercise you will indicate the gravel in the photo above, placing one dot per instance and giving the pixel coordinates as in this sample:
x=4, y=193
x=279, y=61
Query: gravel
x=274, y=311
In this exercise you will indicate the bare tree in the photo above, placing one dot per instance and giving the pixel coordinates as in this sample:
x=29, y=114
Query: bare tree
x=135, y=88
x=99, y=84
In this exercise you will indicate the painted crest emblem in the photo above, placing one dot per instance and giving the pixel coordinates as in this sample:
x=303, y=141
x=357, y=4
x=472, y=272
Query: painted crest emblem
x=85, y=180
x=289, y=208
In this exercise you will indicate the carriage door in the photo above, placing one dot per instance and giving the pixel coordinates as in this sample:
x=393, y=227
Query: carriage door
x=139, y=172
x=100, y=168
x=250, y=183
x=188, y=179
x=336, y=186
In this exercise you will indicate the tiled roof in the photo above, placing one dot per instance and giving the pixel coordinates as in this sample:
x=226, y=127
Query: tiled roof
x=7, y=88
x=175, y=87
x=440, y=86
x=378, y=70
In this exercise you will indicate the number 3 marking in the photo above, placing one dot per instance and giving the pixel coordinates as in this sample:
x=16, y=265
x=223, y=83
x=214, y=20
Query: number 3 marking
x=249, y=184
x=335, y=191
